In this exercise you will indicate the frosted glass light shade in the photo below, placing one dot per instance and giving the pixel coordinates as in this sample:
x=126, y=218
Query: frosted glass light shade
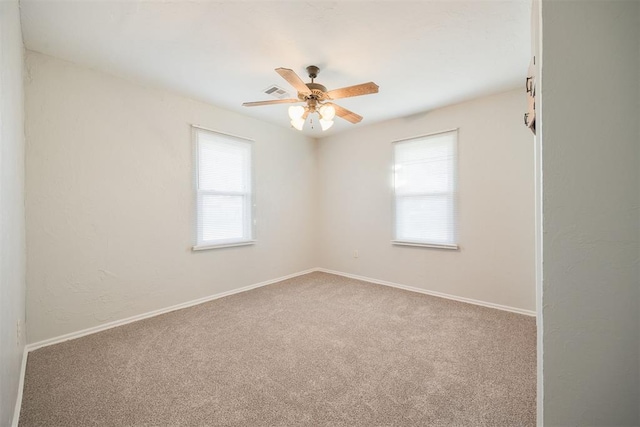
x=298, y=123
x=296, y=112
x=327, y=112
x=326, y=124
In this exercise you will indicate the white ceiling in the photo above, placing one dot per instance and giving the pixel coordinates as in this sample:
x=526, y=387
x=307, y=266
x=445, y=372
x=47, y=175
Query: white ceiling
x=422, y=54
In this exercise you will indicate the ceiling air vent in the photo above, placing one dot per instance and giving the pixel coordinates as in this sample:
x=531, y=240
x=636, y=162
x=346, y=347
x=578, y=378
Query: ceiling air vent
x=277, y=92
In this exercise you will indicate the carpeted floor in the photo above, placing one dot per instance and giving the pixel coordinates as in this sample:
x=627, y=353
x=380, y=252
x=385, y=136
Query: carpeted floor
x=315, y=350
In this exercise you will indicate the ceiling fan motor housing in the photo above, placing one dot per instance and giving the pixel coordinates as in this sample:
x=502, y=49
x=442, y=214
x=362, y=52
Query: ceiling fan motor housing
x=317, y=92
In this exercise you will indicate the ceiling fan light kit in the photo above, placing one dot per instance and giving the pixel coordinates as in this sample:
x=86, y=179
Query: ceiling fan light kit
x=317, y=97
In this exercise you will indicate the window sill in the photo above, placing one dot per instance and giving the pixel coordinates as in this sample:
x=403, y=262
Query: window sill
x=224, y=245
x=426, y=245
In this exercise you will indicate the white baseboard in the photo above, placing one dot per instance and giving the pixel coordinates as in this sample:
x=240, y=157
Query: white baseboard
x=432, y=293
x=18, y=407
x=116, y=323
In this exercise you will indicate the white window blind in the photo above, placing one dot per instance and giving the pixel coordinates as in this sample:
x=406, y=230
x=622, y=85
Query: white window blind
x=224, y=190
x=425, y=190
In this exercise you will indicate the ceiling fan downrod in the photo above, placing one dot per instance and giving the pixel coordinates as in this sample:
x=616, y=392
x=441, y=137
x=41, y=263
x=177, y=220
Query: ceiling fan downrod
x=317, y=90
x=313, y=72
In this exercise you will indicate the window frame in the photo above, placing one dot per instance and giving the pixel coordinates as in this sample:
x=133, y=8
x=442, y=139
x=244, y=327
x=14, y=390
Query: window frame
x=454, y=195
x=250, y=195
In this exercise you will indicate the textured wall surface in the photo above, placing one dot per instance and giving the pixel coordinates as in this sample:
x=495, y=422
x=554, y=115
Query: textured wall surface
x=110, y=200
x=495, y=262
x=590, y=148
x=12, y=240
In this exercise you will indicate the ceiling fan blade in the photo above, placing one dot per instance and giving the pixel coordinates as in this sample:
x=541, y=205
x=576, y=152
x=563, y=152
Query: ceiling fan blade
x=294, y=80
x=270, y=102
x=357, y=90
x=349, y=116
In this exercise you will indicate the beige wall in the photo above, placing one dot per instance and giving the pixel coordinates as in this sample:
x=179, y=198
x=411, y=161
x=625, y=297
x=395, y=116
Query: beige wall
x=590, y=165
x=12, y=240
x=110, y=202
x=496, y=204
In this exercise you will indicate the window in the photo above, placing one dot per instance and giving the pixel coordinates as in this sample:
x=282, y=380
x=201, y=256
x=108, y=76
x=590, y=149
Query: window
x=424, y=182
x=224, y=190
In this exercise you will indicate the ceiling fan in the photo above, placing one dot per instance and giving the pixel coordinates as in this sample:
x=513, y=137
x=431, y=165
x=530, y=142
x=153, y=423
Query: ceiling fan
x=317, y=99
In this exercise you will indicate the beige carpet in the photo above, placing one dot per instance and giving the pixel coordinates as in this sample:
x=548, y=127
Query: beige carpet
x=315, y=350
